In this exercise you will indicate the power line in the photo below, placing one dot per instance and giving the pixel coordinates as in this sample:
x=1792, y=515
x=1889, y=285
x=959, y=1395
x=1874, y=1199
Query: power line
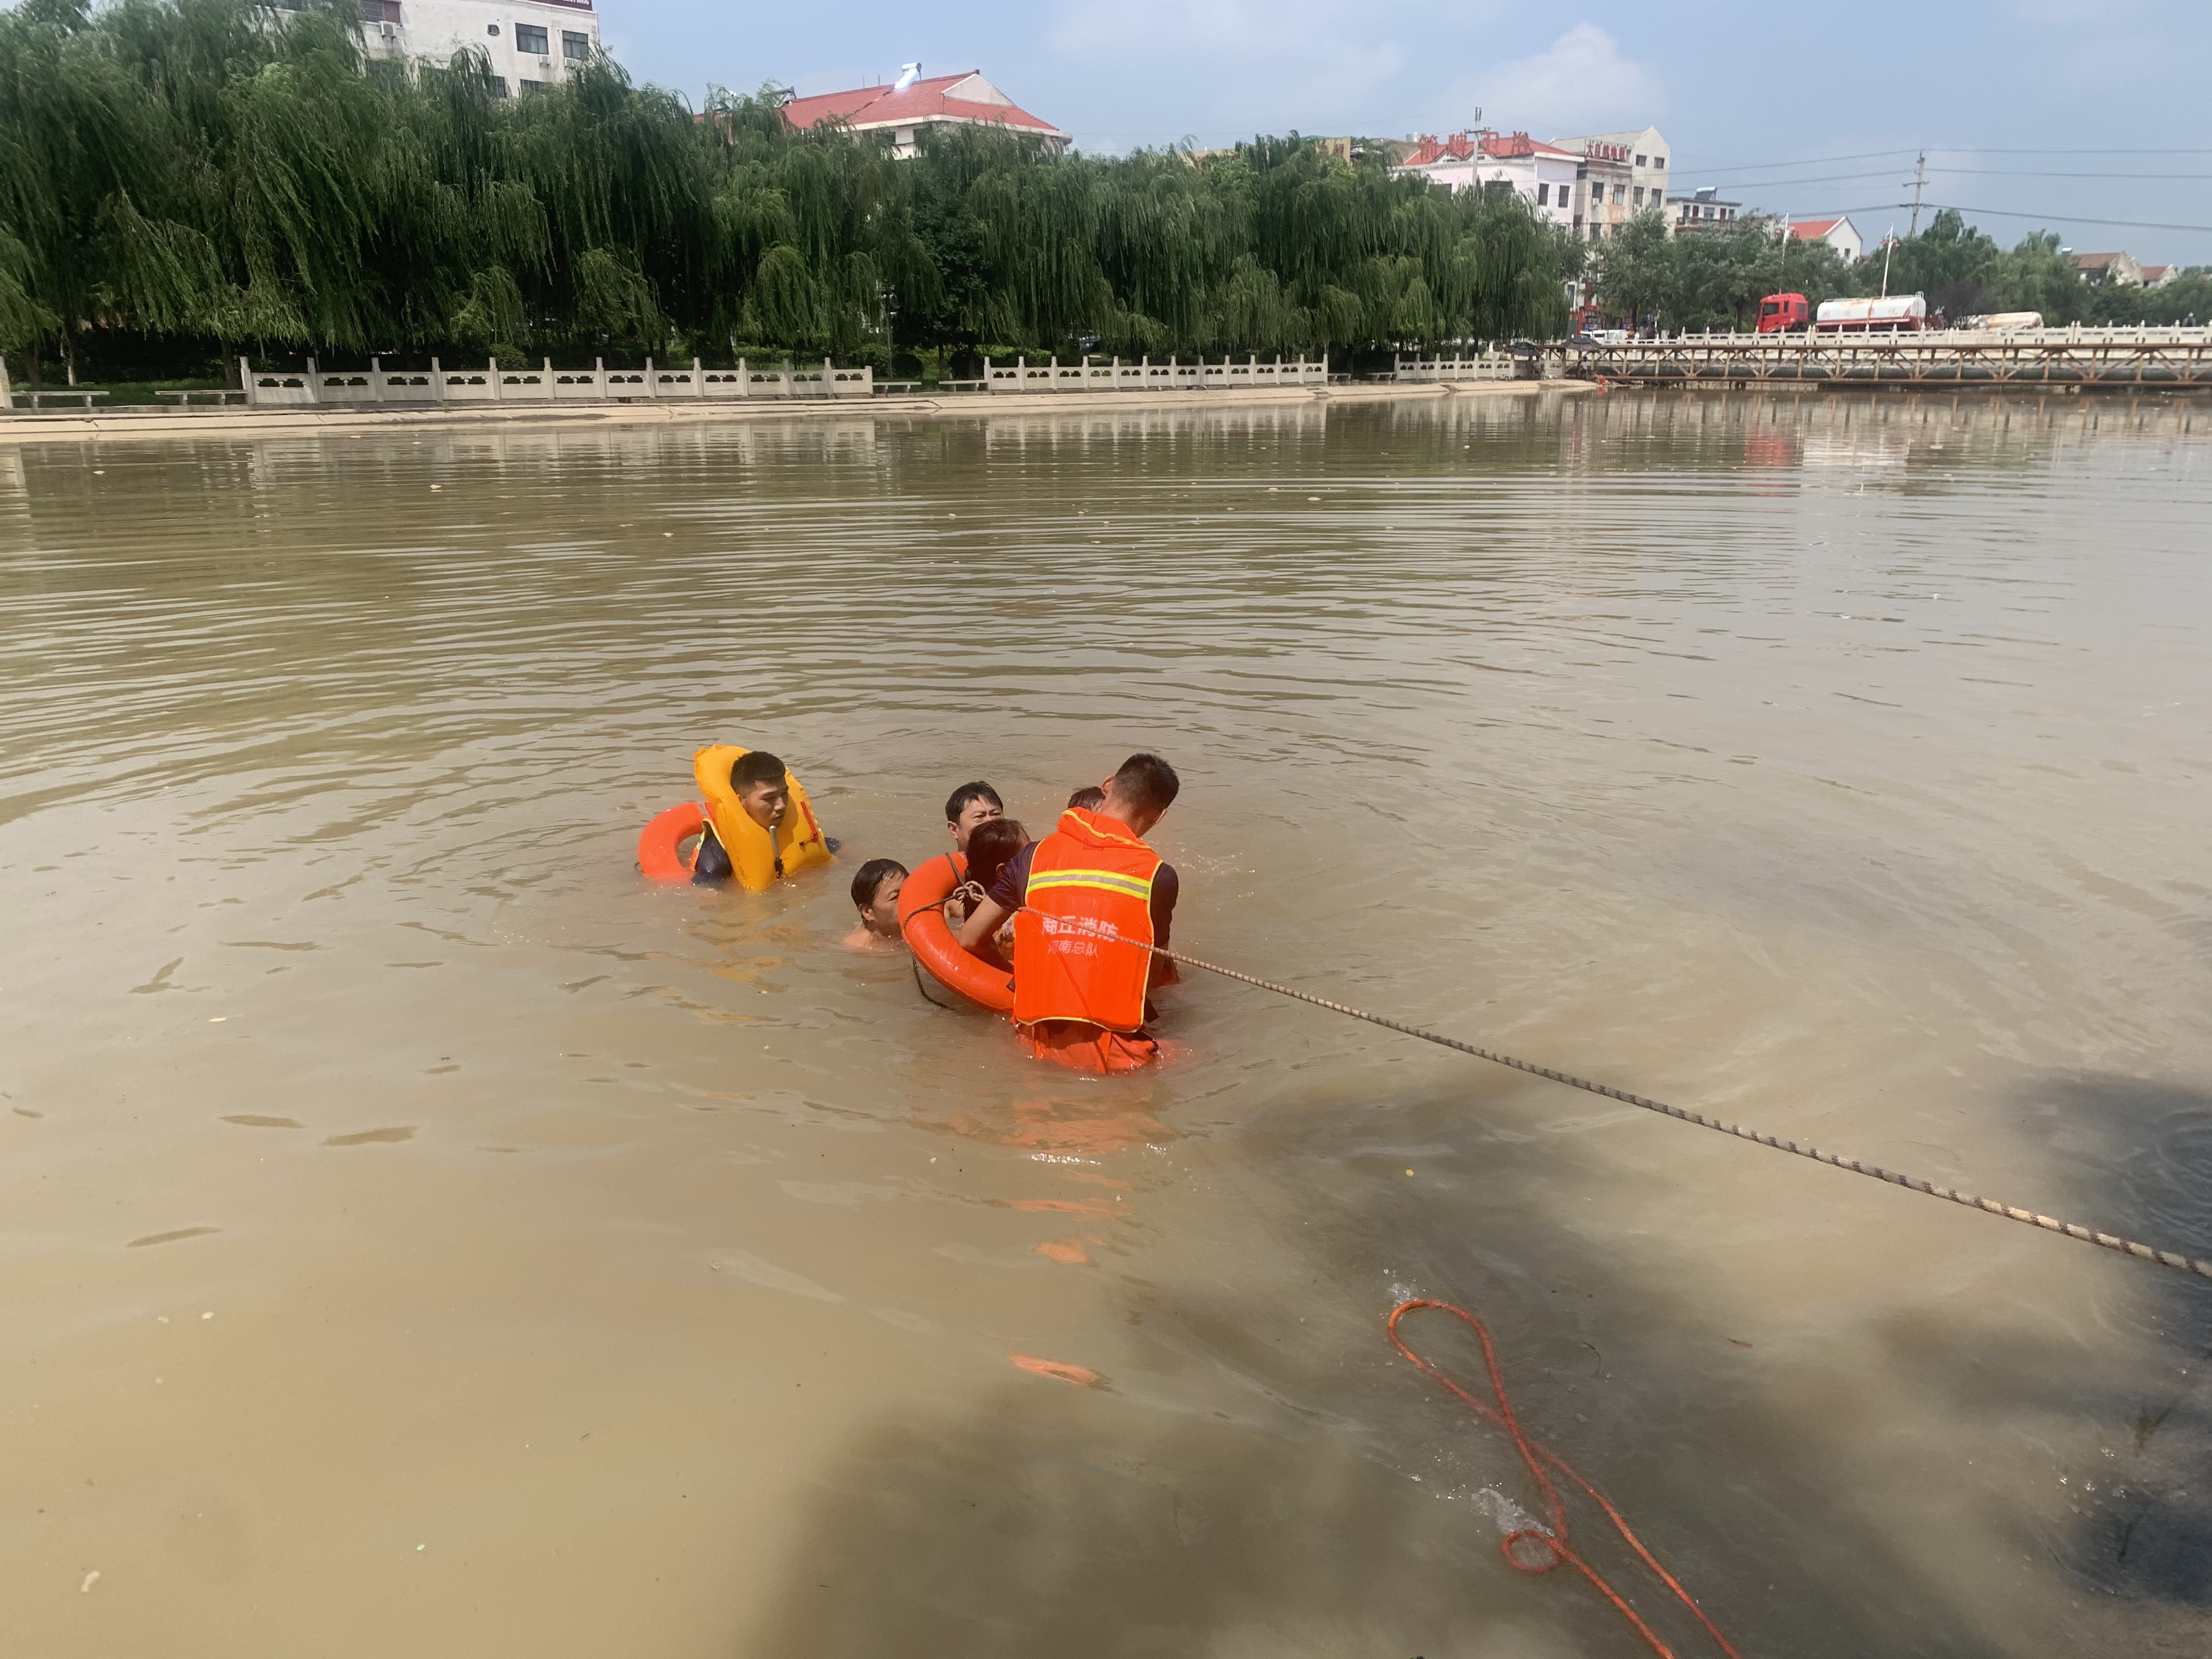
x=1973, y=173
x=1818, y=178
x=2071, y=218
x=2040, y=172
x=1933, y=149
x=1809, y=161
x=2000, y=213
x=2069, y=149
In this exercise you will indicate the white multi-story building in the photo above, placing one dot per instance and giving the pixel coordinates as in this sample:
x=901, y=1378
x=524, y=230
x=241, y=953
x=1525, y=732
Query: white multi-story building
x=1540, y=174
x=531, y=44
x=1624, y=173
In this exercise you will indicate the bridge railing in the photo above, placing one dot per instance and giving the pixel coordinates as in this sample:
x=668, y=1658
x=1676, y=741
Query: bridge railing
x=2073, y=334
x=2139, y=359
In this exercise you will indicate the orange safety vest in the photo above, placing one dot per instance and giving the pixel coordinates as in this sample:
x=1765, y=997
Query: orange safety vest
x=1089, y=875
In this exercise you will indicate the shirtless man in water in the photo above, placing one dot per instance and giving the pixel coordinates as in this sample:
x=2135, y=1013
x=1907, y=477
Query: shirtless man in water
x=876, y=896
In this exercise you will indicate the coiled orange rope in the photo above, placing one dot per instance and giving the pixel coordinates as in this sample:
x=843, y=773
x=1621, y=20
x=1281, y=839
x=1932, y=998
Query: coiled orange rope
x=1538, y=1549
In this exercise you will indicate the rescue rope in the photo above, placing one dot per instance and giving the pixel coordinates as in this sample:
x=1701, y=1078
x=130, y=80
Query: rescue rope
x=1539, y=1549
x=2010, y=1211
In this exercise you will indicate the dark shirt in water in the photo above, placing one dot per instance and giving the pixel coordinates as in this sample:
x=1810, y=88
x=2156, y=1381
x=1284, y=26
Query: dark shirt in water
x=713, y=862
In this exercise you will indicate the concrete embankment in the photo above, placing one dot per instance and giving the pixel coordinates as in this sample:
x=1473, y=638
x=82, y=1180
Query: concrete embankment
x=24, y=427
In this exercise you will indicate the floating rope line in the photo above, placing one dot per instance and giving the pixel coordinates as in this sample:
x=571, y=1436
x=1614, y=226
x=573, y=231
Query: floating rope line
x=2010, y=1211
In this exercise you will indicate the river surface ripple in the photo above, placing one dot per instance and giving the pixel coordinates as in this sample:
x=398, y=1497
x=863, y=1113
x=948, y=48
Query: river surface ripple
x=425, y=1238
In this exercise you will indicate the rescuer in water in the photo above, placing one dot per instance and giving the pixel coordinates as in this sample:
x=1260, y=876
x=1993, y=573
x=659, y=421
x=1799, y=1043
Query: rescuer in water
x=1088, y=900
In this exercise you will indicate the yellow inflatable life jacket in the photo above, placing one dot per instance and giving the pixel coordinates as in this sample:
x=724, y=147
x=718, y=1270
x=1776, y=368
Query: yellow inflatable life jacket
x=798, y=843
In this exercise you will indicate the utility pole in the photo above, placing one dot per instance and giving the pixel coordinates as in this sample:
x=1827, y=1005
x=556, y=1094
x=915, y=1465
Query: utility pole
x=1919, y=182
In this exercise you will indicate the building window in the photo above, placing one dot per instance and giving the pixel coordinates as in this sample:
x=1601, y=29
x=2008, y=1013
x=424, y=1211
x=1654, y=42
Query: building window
x=529, y=38
x=1659, y=163
x=574, y=44
x=529, y=87
x=1639, y=160
x=1543, y=196
x=379, y=11
x=491, y=28
x=498, y=85
x=1639, y=196
x=1619, y=194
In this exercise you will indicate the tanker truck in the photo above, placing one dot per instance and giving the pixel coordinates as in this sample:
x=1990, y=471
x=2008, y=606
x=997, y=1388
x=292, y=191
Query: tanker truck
x=1897, y=313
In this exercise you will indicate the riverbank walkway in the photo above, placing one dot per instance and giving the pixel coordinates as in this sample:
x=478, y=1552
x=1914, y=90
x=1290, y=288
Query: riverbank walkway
x=163, y=423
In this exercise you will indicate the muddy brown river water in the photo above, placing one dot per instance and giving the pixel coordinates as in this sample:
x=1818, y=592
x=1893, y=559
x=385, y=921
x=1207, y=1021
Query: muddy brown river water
x=423, y=1237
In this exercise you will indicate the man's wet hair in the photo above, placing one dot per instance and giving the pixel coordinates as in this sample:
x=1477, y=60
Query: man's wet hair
x=1090, y=797
x=957, y=802
x=754, y=766
x=992, y=848
x=1147, y=783
x=870, y=877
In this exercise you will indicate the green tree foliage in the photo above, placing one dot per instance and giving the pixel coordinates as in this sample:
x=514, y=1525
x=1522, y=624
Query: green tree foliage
x=1964, y=273
x=1715, y=278
x=2187, y=298
x=1710, y=278
x=242, y=176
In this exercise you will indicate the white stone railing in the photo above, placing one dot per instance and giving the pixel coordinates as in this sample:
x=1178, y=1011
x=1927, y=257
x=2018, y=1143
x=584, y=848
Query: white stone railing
x=318, y=388
x=1488, y=365
x=1112, y=375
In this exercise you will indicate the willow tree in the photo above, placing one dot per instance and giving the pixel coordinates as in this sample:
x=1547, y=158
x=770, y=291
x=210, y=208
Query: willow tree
x=228, y=176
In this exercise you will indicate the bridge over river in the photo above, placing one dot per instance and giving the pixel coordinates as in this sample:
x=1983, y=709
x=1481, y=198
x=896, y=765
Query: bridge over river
x=2069, y=359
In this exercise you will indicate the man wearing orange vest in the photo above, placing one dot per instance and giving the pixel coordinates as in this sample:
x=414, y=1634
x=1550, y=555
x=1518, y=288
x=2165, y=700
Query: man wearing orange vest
x=1088, y=900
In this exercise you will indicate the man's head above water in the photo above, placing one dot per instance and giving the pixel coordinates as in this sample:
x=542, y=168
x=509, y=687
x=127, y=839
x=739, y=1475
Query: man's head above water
x=759, y=780
x=1140, y=792
x=969, y=805
x=876, y=895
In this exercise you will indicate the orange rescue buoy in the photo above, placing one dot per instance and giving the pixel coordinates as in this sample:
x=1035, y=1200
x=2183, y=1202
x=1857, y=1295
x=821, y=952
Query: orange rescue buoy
x=936, y=952
x=659, y=845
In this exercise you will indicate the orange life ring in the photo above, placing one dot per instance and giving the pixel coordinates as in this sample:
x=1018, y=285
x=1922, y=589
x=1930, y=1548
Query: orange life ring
x=659, y=845
x=936, y=952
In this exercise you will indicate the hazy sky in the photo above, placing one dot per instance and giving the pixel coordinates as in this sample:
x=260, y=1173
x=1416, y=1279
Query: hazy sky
x=1996, y=89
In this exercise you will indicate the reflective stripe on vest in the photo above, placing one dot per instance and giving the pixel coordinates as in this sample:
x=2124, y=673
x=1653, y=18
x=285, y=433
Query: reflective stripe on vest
x=1112, y=881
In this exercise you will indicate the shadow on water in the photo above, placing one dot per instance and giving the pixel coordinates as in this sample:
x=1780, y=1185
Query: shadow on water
x=1272, y=1480
x=2138, y=1158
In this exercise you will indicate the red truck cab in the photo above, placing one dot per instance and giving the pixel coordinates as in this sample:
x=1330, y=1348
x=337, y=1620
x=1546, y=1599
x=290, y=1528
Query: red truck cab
x=1785, y=313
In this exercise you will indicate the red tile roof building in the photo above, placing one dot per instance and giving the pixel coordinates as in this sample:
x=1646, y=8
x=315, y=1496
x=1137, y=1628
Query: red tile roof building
x=1542, y=174
x=2112, y=269
x=1840, y=234
x=966, y=100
